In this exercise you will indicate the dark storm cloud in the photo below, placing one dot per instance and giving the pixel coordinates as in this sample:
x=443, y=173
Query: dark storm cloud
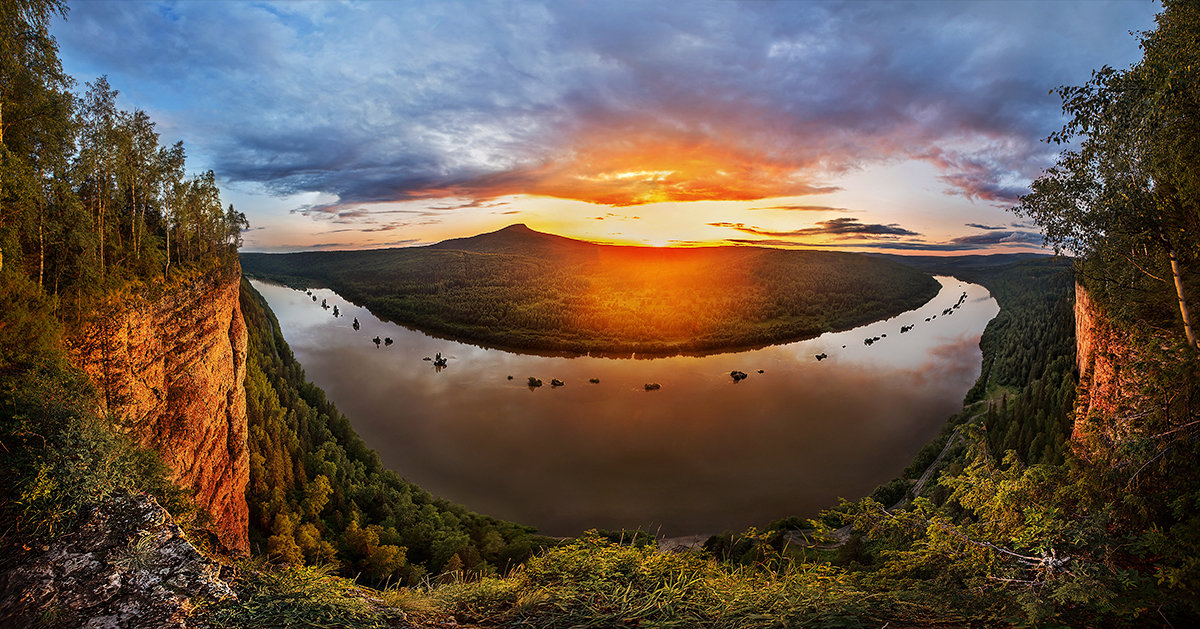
x=837, y=227
x=475, y=203
x=380, y=102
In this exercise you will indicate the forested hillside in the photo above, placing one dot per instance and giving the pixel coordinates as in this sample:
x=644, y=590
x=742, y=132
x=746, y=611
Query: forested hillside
x=521, y=289
x=1024, y=398
x=90, y=201
x=1029, y=382
x=318, y=495
x=92, y=208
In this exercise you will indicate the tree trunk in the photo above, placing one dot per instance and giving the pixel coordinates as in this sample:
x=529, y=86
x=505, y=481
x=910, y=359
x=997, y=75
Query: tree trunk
x=167, y=224
x=133, y=218
x=1, y=186
x=1183, y=306
x=41, y=236
x=100, y=230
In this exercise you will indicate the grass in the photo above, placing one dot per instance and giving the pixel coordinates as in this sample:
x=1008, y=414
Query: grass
x=596, y=583
x=591, y=582
x=304, y=596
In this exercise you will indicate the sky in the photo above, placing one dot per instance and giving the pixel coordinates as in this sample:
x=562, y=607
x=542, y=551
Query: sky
x=904, y=127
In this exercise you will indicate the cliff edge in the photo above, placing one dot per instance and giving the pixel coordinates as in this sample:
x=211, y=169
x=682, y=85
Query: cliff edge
x=1122, y=381
x=126, y=565
x=170, y=370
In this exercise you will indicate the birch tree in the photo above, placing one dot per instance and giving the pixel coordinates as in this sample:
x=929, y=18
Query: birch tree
x=1126, y=199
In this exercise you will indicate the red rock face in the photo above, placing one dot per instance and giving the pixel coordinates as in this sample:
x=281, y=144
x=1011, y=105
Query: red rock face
x=1103, y=357
x=170, y=370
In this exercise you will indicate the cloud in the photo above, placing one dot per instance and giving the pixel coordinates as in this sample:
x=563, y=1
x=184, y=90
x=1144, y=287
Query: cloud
x=908, y=246
x=381, y=228
x=981, y=226
x=805, y=208
x=844, y=227
x=474, y=203
x=613, y=103
x=289, y=247
x=1022, y=239
x=1001, y=238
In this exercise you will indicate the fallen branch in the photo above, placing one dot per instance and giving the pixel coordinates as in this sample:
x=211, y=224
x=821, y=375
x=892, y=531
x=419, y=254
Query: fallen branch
x=1048, y=562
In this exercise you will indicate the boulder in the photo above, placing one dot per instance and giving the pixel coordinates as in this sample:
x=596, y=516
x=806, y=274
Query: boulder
x=127, y=565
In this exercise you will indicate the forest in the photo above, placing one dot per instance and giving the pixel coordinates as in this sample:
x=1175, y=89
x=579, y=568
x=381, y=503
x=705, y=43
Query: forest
x=521, y=289
x=90, y=198
x=318, y=495
x=1026, y=520
x=1028, y=375
x=91, y=205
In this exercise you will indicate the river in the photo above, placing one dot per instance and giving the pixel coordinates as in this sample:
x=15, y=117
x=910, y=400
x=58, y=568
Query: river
x=703, y=454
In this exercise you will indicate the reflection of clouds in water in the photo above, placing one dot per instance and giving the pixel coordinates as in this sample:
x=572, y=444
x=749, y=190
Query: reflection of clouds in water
x=702, y=454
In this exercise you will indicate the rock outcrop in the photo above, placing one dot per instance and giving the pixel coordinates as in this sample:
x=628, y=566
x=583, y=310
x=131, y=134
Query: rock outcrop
x=128, y=565
x=170, y=370
x=1106, y=364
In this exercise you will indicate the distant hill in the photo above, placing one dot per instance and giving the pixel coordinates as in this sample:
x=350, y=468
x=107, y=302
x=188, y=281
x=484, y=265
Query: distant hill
x=522, y=289
x=948, y=264
x=516, y=239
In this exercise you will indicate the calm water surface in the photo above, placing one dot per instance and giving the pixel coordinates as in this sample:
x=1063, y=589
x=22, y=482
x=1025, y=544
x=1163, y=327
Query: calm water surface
x=702, y=455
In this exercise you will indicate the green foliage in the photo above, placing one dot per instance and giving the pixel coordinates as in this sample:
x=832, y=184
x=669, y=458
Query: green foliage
x=1024, y=529
x=317, y=494
x=295, y=596
x=890, y=492
x=1021, y=530
x=1027, y=386
x=29, y=333
x=578, y=297
x=57, y=455
x=1127, y=201
x=82, y=217
x=89, y=201
x=593, y=582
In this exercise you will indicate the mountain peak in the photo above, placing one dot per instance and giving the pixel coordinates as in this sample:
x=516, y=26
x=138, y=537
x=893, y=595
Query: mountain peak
x=515, y=238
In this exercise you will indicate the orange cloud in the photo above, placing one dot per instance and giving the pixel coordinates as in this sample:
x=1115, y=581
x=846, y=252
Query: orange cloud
x=632, y=166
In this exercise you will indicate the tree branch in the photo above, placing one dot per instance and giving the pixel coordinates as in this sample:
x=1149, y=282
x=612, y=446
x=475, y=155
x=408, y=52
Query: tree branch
x=1139, y=267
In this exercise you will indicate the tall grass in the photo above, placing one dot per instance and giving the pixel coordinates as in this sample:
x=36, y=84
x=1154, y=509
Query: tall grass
x=294, y=596
x=597, y=583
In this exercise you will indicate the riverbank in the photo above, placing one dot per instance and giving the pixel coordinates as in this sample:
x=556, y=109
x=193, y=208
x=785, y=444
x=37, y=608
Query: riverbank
x=702, y=453
x=521, y=290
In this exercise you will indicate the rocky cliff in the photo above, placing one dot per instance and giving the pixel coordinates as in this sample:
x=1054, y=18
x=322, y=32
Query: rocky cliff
x=1108, y=376
x=127, y=565
x=170, y=369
